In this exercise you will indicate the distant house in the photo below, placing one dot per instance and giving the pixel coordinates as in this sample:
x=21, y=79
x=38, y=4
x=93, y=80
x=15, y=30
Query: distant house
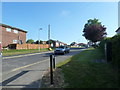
x=56, y=43
x=82, y=44
x=118, y=31
x=61, y=43
x=11, y=35
x=44, y=42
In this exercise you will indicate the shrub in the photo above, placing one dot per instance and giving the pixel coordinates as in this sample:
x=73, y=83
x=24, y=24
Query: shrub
x=102, y=44
x=115, y=40
x=116, y=50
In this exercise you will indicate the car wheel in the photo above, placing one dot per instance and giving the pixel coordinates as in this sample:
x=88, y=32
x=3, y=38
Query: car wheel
x=63, y=53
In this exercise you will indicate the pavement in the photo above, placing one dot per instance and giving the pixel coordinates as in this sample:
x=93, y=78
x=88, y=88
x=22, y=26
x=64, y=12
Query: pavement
x=30, y=75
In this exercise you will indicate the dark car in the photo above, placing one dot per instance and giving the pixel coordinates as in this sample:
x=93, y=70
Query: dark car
x=62, y=50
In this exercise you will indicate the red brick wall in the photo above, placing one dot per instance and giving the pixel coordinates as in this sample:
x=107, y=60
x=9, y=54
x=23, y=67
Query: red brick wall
x=8, y=37
x=31, y=46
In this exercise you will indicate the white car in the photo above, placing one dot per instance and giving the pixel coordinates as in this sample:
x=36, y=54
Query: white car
x=62, y=50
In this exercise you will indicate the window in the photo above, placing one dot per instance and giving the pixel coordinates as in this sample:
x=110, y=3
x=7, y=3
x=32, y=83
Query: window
x=20, y=42
x=8, y=29
x=15, y=31
x=14, y=41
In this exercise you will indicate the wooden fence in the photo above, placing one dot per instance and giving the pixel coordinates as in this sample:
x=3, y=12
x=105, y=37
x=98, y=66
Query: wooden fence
x=28, y=46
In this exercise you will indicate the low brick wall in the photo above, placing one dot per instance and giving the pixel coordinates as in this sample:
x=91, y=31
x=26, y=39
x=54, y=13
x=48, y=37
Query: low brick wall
x=31, y=46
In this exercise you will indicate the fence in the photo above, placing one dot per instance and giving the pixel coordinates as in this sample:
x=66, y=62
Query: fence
x=28, y=46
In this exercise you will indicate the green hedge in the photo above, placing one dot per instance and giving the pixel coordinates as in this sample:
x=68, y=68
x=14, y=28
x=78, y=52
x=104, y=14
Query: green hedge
x=116, y=50
x=115, y=40
x=102, y=44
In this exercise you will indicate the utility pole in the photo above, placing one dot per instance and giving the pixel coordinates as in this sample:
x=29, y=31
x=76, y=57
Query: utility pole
x=49, y=34
x=39, y=39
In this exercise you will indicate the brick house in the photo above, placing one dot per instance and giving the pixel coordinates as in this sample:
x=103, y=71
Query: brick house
x=11, y=35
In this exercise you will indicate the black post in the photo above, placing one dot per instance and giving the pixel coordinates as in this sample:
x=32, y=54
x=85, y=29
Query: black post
x=108, y=51
x=51, y=70
x=54, y=61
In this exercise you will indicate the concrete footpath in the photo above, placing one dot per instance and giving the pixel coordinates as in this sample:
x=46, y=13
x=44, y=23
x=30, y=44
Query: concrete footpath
x=27, y=77
x=30, y=76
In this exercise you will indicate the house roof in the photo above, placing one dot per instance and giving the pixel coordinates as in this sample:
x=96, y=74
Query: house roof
x=4, y=25
x=61, y=42
x=58, y=41
x=117, y=29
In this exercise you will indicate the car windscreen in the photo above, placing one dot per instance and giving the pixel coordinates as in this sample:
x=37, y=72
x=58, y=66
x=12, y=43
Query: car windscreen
x=61, y=47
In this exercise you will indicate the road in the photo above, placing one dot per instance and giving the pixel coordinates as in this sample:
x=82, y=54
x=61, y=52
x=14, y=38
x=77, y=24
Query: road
x=27, y=71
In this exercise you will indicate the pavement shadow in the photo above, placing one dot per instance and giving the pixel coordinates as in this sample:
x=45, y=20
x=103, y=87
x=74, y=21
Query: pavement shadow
x=4, y=83
x=32, y=86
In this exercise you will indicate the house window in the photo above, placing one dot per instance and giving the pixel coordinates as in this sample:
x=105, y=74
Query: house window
x=20, y=42
x=15, y=31
x=8, y=29
x=14, y=41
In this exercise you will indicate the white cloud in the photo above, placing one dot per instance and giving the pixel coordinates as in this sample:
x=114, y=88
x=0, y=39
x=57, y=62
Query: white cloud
x=65, y=13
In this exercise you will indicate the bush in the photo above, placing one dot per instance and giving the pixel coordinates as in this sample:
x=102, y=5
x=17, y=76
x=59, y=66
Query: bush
x=115, y=40
x=116, y=50
x=102, y=44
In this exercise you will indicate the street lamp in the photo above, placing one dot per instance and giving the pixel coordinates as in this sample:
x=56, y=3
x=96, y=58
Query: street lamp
x=39, y=39
x=49, y=34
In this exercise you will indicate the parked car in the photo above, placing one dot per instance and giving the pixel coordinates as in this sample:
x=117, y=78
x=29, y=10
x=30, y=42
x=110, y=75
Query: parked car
x=62, y=50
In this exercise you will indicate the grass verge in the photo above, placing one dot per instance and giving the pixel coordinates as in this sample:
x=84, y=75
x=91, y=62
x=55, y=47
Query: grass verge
x=82, y=71
x=23, y=51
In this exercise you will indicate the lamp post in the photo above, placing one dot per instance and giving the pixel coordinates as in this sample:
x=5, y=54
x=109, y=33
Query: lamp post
x=39, y=39
x=49, y=34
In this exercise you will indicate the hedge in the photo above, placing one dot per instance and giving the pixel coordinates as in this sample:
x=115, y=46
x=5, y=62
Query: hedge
x=102, y=44
x=116, y=50
x=115, y=40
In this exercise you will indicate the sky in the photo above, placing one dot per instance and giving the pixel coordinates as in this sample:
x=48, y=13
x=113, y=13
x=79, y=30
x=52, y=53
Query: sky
x=119, y=14
x=66, y=19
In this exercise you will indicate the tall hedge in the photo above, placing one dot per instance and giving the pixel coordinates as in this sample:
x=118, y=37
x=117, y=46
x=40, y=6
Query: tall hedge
x=116, y=50
x=115, y=40
x=102, y=44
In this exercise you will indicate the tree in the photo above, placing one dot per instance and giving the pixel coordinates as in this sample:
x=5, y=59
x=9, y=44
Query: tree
x=92, y=22
x=30, y=41
x=73, y=43
x=37, y=42
x=50, y=42
x=94, y=30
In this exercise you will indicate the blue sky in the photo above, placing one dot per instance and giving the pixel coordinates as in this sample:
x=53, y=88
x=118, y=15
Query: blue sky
x=67, y=19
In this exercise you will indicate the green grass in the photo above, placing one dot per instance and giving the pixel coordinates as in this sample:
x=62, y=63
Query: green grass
x=81, y=72
x=23, y=51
